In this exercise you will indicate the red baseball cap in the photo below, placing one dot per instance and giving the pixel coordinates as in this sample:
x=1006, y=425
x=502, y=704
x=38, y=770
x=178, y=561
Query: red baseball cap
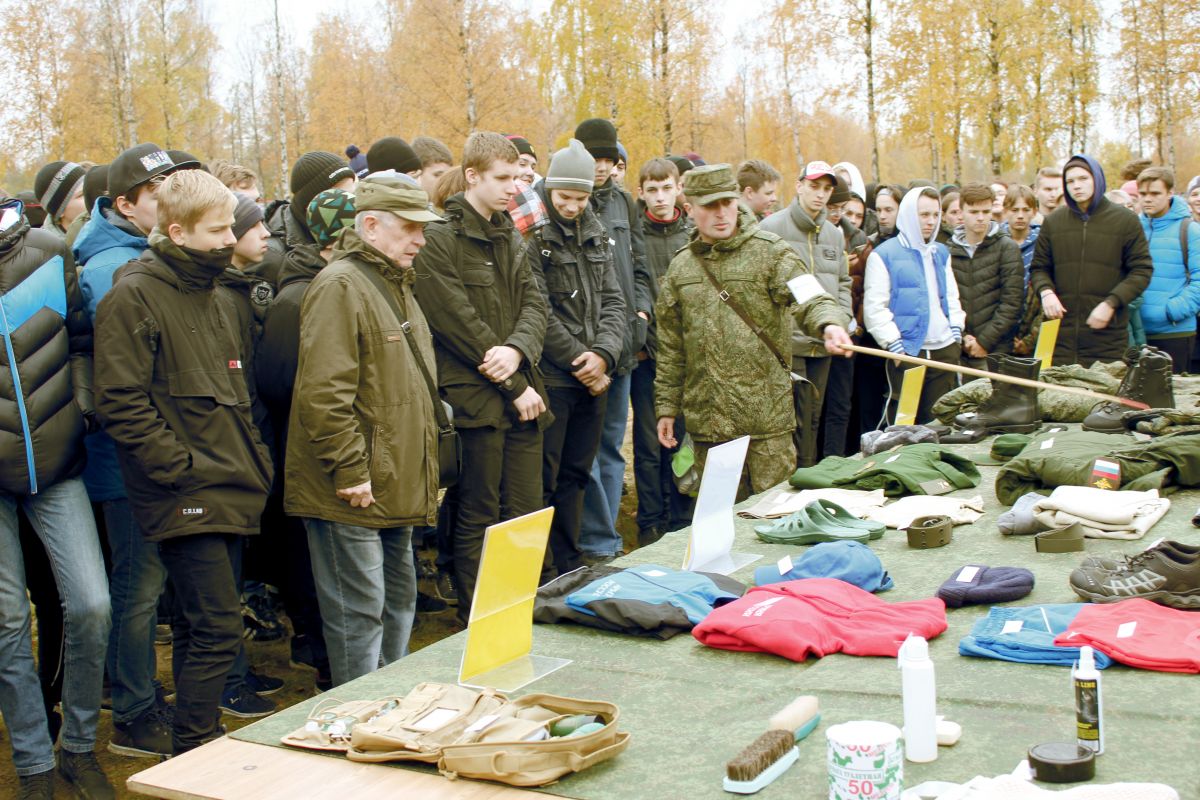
x=819, y=169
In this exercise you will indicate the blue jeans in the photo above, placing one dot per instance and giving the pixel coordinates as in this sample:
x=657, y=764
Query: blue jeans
x=602, y=499
x=136, y=582
x=367, y=589
x=62, y=517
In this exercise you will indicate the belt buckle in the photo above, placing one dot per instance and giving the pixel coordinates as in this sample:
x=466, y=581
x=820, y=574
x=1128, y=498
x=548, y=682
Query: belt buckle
x=928, y=532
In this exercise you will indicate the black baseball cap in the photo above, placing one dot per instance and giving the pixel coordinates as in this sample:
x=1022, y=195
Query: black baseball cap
x=136, y=166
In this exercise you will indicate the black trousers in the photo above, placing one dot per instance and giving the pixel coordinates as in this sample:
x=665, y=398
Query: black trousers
x=500, y=479
x=807, y=398
x=568, y=449
x=937, y=382
x=207, y=629
x=1178, y=348
x=835, y=411
x=870, y=389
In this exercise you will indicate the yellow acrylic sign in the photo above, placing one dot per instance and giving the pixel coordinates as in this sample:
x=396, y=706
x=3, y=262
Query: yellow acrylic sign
x=500, y=629
x=910, y=396
x=1047, y=337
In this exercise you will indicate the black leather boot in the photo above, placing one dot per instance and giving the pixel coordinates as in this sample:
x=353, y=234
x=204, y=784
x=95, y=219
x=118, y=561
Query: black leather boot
x=1148, y=379
x=1011, y=408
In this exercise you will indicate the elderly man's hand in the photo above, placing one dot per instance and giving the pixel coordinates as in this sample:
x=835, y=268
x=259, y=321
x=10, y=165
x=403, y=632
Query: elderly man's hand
x=357, y=496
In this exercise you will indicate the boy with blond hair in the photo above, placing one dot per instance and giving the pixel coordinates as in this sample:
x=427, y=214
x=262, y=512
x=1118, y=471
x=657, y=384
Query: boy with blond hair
x=170, y=391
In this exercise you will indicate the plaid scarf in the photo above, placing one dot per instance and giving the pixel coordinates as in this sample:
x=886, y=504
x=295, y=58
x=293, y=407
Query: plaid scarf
x=527, y=211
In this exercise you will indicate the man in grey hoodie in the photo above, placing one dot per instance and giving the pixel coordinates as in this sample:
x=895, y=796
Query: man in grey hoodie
x=821, y=246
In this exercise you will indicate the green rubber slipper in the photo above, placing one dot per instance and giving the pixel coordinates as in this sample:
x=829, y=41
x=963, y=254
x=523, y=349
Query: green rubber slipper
x=843, y=517
x=800, y=529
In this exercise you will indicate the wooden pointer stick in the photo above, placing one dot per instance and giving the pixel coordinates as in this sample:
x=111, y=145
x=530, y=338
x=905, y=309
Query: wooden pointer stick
x=979, y=373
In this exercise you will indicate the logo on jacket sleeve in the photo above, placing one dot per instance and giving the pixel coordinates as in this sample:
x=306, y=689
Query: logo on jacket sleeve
x=192, y=511
x=235, y=364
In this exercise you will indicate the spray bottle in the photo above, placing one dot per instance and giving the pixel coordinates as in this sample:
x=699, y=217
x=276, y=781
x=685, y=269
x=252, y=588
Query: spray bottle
x=1089, y=704
x=919, y=692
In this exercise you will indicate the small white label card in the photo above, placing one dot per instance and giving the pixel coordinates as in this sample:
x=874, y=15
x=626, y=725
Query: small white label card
x=967, y=575
x=1012, y=626
x=785, y=565
x=1126, y=630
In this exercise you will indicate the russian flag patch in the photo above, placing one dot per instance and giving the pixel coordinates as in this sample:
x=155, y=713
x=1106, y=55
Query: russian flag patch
x=234, y=364
x=1105, y=474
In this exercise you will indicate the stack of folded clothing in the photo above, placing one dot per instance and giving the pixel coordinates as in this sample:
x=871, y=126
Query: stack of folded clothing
x=646, y=600
x=1026, y=635
x=1138, y=633
x=1102, y=513
x=852, y=562
x=912, y=469
x=818, y=616
x=900, y=514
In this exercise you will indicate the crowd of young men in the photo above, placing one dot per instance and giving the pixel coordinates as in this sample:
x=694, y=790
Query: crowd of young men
x=189, y=367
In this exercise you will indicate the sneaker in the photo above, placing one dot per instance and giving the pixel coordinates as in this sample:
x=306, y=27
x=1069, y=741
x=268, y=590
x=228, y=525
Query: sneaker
x=1162, y=574
x=444, y=585
x=1117, y=561
x=242, y=702
x=427, y=604
x=261, y=618
x=82, y=771
x=149, y=734
x=261, y=683
x=648, y=536
x=36, y=787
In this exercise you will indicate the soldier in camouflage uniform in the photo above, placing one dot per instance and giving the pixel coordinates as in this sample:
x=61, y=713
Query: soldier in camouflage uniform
x=712, y=367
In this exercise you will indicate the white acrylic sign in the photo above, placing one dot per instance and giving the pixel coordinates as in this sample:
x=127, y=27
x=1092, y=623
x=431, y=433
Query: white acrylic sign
x=711, y=542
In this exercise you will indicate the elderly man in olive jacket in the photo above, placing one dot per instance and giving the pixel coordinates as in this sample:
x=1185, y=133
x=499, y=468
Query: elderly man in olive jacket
x=362, y=441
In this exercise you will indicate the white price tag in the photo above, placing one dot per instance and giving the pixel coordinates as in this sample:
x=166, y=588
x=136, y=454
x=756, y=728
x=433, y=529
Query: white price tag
x=1046, y=445
x=654, y=573
x=1126, y=630
x=893, y=458
x=434, y=719
x=967, y=575
x=1012, y=626
x=785, y=565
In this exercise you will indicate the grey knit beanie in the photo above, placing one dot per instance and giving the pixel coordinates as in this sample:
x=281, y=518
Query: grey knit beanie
x=572, y=168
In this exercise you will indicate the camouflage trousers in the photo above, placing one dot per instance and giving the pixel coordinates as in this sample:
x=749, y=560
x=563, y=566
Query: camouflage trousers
x=769, y=462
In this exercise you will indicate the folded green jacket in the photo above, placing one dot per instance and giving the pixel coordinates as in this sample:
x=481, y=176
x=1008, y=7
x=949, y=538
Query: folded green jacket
x=1160, y=463
x=924, y=468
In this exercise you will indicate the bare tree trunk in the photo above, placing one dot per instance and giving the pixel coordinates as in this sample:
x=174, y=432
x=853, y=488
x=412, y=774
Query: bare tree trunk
x=465, y=56
x=789, y=99
x=664, y=76
x=1137, y=75
x=872, y=117
x=996, y=107
x=745, y=111
x=282, y=129
x=164, y=71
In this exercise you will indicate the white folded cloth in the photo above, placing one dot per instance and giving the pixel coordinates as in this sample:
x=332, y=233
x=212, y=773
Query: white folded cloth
x=901, y=513
x=1104, y=514
x=782, y=501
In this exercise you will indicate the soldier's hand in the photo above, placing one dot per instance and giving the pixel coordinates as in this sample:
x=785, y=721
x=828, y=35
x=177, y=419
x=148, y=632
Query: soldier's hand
x=1101, y=315
x=500, y=362
x=529, y=405
x=1052, y=307
x=357, y=496
x=589, y=367
x=835, y=337
x=666, y=432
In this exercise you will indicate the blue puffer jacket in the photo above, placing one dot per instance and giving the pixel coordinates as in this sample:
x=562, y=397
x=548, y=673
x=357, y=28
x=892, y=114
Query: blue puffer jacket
x=1172, y=299
x=103, y=247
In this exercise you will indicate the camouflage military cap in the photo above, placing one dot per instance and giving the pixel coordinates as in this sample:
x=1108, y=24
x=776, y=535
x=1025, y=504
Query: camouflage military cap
x=710, y=183
x=399, y=194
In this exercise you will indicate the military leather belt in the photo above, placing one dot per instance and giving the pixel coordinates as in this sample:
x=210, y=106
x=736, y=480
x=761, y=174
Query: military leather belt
x=1063, y=540
x=927, y=532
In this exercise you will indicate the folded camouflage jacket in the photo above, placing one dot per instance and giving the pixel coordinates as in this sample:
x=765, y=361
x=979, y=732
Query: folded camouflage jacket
x=1068, y=458
x=1055, y=406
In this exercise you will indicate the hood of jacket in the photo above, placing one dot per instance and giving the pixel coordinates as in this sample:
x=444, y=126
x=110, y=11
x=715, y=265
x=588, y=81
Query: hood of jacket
x=104, y=231
x=908, y=224
x=995, y=232
x=1084, y=160
x=802, y=220
x=856, y=182
x=301, y=264
x=11, y=236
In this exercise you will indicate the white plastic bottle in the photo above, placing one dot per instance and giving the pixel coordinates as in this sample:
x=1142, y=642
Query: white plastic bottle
x=1089, y=702
x=919, y=691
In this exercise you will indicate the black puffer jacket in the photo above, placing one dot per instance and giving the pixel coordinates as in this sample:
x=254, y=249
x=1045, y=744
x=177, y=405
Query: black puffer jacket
x=991, y=287
x=615, y=208
x=45, y=377
x=663, y=240
x=572, y=264
x=278, y=349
